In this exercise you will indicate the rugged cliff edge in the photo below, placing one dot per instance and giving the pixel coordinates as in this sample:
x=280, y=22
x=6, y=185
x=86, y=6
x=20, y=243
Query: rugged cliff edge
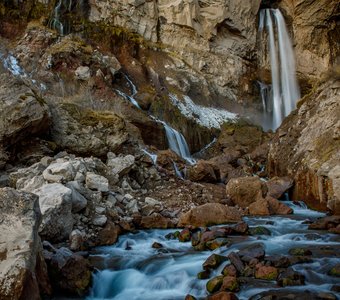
x=307, y=144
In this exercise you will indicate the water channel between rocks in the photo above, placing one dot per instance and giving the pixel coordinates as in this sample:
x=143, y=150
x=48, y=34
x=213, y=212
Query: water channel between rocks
x=145, y=273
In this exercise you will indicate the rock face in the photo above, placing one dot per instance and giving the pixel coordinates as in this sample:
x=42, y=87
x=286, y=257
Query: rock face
x=21, y=268
x=22, y=114
x=210, y=214
x=205, y=35
x=315, y=33
x=306, y=147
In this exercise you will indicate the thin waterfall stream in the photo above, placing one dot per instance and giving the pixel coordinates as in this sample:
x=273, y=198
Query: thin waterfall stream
x=170, y=273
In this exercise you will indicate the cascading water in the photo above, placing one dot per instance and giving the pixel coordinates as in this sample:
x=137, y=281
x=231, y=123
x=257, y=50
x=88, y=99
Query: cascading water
x=169, y=273
x=284, y=87
x=176, y=140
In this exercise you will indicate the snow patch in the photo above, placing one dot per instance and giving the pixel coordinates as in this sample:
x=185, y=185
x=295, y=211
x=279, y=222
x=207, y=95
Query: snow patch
x=209, y=117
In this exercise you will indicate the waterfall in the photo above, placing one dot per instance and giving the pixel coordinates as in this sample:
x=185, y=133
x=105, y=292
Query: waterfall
x=177, y=143
x=56, y=23
x=284, y=87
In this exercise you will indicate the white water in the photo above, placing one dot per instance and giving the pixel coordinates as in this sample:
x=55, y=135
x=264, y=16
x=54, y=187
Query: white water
x=56, y=23
x=151, y=155
x=177, y=143
x=285, y=90
x=144, y=273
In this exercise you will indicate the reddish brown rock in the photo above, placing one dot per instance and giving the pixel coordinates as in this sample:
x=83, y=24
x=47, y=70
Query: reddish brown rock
x=259, y=208
x=230, y=284
x=202, y=171
x=109, y=234
x=277, y=186
x=229, y=270
x=223, y=296
x=246, y=190
x=210, y=214
x=156, y=221
x=269, y=206
x=266, y=272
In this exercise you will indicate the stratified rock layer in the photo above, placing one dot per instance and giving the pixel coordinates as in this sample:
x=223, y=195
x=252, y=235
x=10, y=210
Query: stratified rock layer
x=306, y=147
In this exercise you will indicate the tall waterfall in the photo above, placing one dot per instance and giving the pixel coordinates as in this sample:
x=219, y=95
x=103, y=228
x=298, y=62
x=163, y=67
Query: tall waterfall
x=285, y=90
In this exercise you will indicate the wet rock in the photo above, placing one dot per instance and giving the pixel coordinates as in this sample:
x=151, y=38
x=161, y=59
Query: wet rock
x=210, y=214
x=246, y=190
x=213, y=261
x=157, y=245
x=108, y=235
x=290, y=277
x=241, y=228
x=172, y=235
x=69, y=272
x=237, y=262
x=266, y=272
x=300, y=252
x=22, y=268
x=326, y=223
x=223, y=296
x=229, y=270
x=279, y=261
x=335, y=271
x=293, y=295
x=259, y=230
x=97, y=182
x=277, y=186
x=189, y=297
x=214, y=284
x=217, y=243
x=202, y=171
x=252, y=251
x=184, y=235
x=56, y=207
x=230, y=284
x=196, y=238
x=269, y=206
x=204, y=274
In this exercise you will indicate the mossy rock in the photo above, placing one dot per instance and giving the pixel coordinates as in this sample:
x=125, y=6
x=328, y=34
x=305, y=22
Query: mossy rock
x=203, y=274
x=217, y=243
x=259, y=230
x=335, y=271
x=213, y=261
x=214, y=284
x=300, y=252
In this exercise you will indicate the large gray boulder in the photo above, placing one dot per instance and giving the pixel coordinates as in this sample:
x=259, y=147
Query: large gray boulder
x=56, y=207
x=22, y=268
x=22, y=114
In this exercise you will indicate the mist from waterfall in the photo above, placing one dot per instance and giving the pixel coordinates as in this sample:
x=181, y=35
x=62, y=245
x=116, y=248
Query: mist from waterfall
x=284, y=90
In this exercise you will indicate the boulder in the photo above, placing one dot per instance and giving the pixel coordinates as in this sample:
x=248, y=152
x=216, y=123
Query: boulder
x=245, y=190
x=56, y=207
x=213, y=261
x=223, y=296
x=23, y=272
x=230, y=284
x=269, y=206
x=214, y=284
x=277, y=186
x=109, y=234
x=89, y=132
x=210, y=214
x=23, y=114
x=59, y=171
x=120, y=165
x=266, y=272
x=69, y=273
x=156, y=220
x=97, y=182
x=202, y=171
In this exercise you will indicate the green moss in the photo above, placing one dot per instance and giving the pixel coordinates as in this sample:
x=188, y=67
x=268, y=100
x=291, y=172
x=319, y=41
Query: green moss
x=89, y=117
x=214, y=284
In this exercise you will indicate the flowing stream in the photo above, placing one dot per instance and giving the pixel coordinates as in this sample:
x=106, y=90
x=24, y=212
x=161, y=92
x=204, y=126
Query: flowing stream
x=169, y=273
